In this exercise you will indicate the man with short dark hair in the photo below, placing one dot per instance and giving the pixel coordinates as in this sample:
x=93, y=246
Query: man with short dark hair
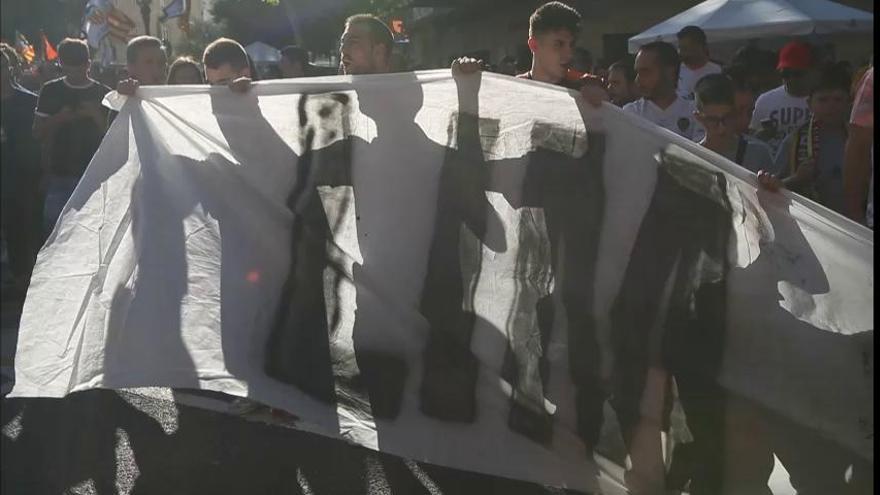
x=146, y=60
x=781, y=110
x=714, y=98
x=365, y=46
x=226, y=62
x=21, y=177
x=70, y=122
x=146, y=63
x=657, y=65
x=553, y=29
x=693, y=49
x=622, y=83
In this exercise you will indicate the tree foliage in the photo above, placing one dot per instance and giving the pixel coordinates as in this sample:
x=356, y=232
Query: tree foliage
x=200, y=35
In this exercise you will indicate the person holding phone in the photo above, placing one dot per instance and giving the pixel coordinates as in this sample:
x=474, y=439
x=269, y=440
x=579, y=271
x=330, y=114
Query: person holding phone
x=70, y=123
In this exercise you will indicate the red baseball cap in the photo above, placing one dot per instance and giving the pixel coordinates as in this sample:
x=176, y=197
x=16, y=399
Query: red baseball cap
x=795, y=55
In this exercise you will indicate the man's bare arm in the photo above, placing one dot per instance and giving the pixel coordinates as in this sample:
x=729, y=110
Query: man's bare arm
x=857, y=171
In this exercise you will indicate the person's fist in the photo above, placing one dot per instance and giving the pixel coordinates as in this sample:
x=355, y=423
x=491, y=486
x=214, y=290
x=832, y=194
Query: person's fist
x=466, y=65
x=127, y=87
x=240, y=85
x=768, y=181
x=593, y=90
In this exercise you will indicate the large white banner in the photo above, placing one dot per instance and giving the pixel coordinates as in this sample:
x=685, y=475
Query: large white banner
x=455, y=270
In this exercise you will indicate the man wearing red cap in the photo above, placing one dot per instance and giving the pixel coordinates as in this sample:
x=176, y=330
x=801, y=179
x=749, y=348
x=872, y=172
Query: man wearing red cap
x=785, y=108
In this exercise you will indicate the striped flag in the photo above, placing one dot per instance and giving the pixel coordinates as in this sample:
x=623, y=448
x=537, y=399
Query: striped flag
x=94, y=25
x=176, y=8
x=102, y=18
x=24, y=47
x=121, y=25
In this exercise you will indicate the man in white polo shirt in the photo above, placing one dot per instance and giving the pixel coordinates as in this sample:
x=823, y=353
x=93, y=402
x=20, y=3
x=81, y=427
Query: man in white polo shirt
x=657, y=66
x=693, y=49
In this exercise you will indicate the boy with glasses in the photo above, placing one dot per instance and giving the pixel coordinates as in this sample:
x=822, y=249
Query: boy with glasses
x=716, y=111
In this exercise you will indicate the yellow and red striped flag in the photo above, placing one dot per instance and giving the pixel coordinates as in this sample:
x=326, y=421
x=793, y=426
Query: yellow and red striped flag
x=24, y=47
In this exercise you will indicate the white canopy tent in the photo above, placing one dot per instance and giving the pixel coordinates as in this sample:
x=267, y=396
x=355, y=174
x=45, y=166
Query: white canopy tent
x=741, y=20
x=261, y=53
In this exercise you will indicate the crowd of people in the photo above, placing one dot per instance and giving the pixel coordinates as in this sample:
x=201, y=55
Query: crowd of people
x=797, y=119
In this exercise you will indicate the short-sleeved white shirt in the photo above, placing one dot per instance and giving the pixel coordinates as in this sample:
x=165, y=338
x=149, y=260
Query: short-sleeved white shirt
x=677, y=117
x=789, y=112
x=688, y=78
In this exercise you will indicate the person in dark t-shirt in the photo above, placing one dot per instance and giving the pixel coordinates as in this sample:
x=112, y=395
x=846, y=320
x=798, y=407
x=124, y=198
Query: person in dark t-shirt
x=20, y=161
x=70, y=123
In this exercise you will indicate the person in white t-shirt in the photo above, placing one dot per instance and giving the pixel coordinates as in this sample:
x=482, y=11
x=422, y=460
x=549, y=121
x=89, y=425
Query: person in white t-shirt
x=781, y=110
x=693, y=49
x=657, y=67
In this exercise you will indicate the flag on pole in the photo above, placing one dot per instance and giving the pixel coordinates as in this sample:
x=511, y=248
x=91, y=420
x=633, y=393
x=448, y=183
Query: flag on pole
x=94, y=25
x=24, y=47
x=49, y=52
x=120, y=25
x=102, y=18
x=176, y=8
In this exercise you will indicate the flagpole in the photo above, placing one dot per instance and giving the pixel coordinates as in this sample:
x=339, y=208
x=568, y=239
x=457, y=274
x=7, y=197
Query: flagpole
x=161, y=32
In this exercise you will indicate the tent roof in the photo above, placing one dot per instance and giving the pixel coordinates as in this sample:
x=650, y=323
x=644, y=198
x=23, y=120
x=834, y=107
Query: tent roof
x=261, y=52
x=733, y=20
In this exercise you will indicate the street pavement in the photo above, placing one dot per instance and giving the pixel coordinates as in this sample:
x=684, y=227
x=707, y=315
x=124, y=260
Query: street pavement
x=107, y=442
x=155, y=441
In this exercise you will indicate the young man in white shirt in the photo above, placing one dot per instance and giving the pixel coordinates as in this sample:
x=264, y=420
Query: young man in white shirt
x=781, y=110
x=657, y=66
x=693, y=50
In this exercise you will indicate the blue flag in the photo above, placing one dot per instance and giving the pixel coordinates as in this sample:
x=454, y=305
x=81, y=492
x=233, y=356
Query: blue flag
x=94, y=25
x=174, y=9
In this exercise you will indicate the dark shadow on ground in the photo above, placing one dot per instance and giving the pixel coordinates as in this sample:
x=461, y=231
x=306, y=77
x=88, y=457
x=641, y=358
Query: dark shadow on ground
x=57, y=444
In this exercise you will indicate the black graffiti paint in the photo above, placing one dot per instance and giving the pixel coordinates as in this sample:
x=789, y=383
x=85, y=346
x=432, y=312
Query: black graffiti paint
x=570, y=193
x=683, y=236
x=298, y=350
x=450, y=368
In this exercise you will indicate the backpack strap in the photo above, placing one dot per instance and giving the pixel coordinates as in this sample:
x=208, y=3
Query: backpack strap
x=740, y=150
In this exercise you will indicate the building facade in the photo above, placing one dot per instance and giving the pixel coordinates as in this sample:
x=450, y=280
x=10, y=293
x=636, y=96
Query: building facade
x=150, y=24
